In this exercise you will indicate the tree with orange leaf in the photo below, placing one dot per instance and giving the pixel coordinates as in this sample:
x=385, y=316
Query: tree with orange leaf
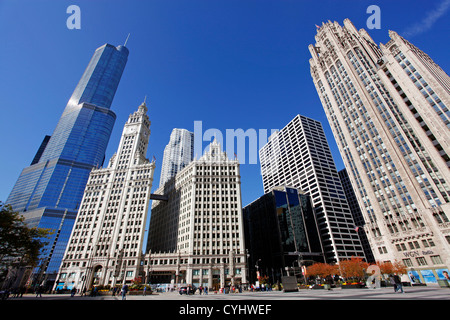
x=353, y=268
x=322, y=270
x=390, y=268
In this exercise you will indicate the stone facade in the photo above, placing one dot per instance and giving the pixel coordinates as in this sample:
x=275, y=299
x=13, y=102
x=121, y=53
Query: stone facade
x=200, y=223
x=388, y=108
x=105, y=247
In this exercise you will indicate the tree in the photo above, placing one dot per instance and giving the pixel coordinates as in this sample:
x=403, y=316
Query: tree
x=322, y=270
x=390, y=268
x=385, y=267
x=353, y=268
x=18, y=242
x=399, y=267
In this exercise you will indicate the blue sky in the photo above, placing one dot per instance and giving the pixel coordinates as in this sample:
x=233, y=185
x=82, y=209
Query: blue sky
x=228, y=63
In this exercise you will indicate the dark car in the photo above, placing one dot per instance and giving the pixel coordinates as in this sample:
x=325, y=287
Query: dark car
x=186, y=290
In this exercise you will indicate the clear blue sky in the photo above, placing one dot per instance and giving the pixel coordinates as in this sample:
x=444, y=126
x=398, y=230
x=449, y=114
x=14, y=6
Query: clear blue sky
x=229, y=63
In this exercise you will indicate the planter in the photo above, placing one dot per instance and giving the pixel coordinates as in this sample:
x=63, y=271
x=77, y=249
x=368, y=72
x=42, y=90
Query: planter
x=316, y=286
x=139, y=292
x=353, y=286
x=303, y=287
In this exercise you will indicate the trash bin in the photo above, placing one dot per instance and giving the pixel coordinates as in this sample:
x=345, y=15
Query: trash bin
x=327, y=287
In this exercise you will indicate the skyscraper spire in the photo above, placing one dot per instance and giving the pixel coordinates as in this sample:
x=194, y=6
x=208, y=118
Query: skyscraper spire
x=48, y=192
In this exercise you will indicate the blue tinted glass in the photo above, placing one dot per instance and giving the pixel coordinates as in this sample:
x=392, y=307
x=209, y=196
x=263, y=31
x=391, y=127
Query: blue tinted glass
x=55, y=184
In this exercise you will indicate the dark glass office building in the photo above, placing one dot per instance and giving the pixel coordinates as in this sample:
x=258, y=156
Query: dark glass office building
x=49, y=191
x=281, y=234
x=357, y=214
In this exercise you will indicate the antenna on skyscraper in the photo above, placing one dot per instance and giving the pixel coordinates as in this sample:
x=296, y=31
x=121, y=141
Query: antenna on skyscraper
x=125, y=44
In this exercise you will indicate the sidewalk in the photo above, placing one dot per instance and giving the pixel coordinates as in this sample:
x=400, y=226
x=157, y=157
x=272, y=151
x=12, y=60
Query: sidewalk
x=416, y=293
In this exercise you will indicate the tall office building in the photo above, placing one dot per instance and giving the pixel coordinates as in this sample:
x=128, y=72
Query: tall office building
x=105, y=247
x=388, y=107
x=196, y=235
x=281, y=234
x=177, y=154
x=48, y=193
x=299, y=156
x=356, y=213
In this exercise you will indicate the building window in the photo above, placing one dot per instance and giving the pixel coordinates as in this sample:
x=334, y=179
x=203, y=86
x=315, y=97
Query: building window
x=407, y=262
x=421, y=261
x=129, y=274
x=436, y=259
x=414, y=245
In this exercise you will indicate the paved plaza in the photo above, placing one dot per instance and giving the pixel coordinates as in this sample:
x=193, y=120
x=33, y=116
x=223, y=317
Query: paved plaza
x=265, y=305
x=415, y=293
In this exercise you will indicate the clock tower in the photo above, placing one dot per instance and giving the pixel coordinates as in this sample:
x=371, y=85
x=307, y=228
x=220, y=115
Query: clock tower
x=105, y=247
x=134, y=142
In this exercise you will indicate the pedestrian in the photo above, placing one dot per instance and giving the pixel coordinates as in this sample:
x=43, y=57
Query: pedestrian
x=145, y=290
x=73, y=291
x=398, y=284
x=39, y=291
x=124, y=292
x=84, y=292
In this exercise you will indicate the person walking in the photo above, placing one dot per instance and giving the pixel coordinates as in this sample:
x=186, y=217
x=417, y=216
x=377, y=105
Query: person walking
x=124, y=292
x=398, y=284
x=39, y=291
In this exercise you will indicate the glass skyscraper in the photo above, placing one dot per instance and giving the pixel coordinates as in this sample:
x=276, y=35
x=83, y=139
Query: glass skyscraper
x=281, y=231
x=49, y=191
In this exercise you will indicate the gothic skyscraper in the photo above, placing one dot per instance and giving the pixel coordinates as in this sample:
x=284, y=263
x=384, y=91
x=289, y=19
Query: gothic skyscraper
x=388, y=107
x=48, y=192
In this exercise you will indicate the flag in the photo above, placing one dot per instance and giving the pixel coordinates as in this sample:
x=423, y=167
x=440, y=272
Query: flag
x=154, y=159
x=356, y=229
x=317, y=26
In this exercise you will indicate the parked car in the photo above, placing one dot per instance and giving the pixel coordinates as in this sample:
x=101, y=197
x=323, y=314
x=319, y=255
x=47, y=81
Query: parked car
x=186, y=290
